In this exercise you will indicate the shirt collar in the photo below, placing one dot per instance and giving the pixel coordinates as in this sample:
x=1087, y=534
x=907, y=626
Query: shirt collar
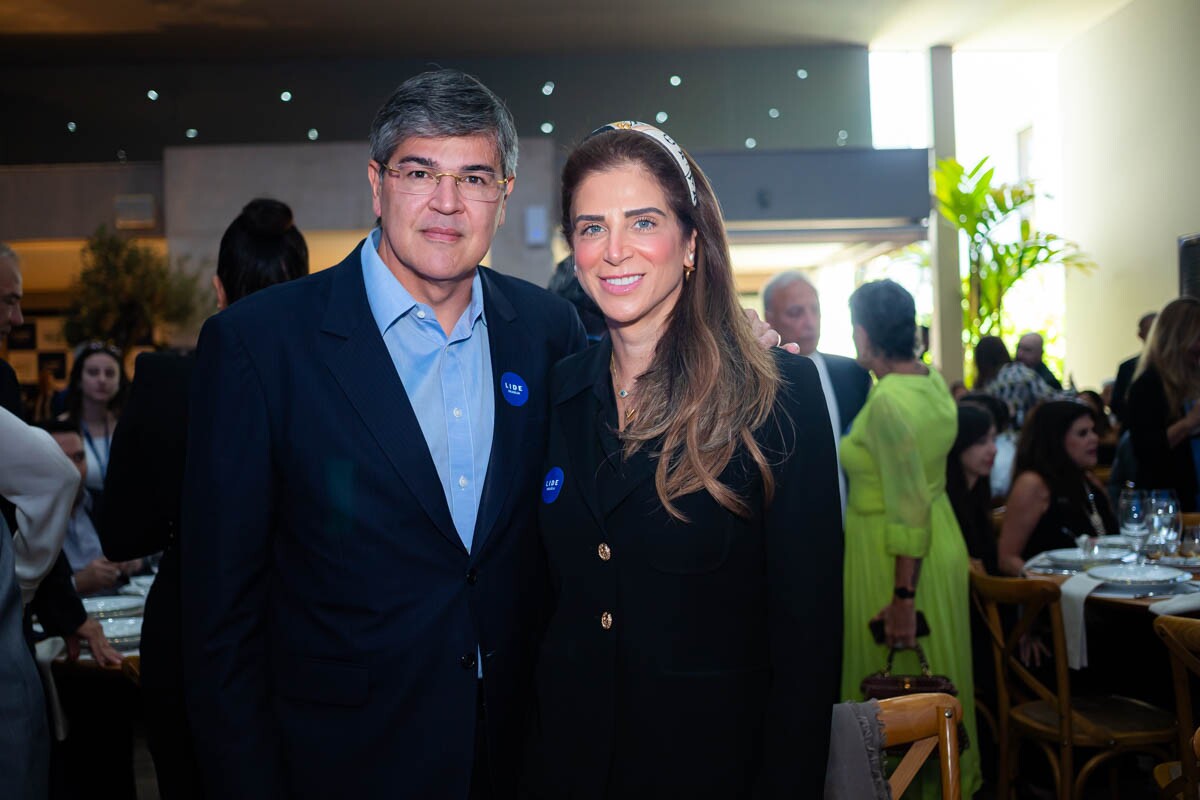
x=387, y=297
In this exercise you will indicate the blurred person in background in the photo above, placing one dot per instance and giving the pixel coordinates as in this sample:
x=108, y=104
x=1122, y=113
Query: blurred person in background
x=1054, y=498
x=10, y=315
x=260, y=248
x=904, y=551
x=968, y=466
x=1000, y=479
x=1104, y=428
x=1030, y=353
x=1162, y=412
x=1013, y=382
x=1126, y=370
x=95, y=391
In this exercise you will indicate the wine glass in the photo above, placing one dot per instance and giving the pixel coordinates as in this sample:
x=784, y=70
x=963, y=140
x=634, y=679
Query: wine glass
x=1165, y=520
x=1135, y=521
x=1189, y=542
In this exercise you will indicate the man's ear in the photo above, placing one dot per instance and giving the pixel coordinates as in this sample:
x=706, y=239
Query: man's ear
x=219, y=288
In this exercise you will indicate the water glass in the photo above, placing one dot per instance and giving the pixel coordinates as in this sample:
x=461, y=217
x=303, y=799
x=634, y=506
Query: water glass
x=1189, y=542
x=1165, y=518
x=1134, y=519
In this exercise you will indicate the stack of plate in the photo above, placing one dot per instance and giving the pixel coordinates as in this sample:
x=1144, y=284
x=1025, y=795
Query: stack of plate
x=109, y=607
x=1142, y=580
x=124, y=633
x=1074, y=558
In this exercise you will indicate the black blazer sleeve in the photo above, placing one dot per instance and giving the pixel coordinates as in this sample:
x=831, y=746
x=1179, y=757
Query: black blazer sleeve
x=10, y=391
x=1120, y=395
x=804, y=540
x=56, y=603
x=140, y=513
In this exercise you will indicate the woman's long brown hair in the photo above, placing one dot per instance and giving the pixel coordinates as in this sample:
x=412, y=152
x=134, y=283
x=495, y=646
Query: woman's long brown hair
x=710, y=385
x=1176, y=329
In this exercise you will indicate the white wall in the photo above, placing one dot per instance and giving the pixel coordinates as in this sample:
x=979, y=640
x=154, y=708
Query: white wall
x=1131, y=172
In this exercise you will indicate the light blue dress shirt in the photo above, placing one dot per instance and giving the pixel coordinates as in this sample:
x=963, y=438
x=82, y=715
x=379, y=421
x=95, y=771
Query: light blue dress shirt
x=448, y=380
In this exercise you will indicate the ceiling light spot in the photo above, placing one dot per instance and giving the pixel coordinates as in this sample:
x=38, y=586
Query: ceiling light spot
x=661, y=117
x=191, y=133
x=71, y=127
x=313, y=134
x=751, y=143
x=548, y=88
x=153, y=95
x=547, y=127
x=773, y=113
x=285, y=97
x=675, y=80
x=802, y=74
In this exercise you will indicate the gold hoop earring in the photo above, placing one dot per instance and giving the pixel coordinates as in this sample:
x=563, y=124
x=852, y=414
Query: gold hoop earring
x=688, y=269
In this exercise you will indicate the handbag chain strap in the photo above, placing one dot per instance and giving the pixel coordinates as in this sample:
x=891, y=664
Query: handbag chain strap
x=925, y=671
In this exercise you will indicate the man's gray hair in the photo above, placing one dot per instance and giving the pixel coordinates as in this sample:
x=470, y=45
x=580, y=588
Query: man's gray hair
x=783, y=280
x=8, y=252
x=445, y=102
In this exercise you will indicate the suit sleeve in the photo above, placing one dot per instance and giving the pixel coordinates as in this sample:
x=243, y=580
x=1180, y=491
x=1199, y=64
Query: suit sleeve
x=56, y=602
x=804, y=542
x=228, y=515
x=142, y=485
x=42, y=483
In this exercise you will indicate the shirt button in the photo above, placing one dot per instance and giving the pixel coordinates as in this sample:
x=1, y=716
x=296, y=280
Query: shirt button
x=472, y=576
x=604, y=551
x=462, y=481
x=420, y=314
x=457, y=413
x=467, y=661
x=606, y=620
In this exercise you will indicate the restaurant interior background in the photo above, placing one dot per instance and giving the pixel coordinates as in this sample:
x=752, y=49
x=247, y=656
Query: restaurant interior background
x=818, y=123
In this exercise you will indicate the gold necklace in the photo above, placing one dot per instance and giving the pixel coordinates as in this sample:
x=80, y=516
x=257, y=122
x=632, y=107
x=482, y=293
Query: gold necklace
x=622, y=393
x=1093, y=513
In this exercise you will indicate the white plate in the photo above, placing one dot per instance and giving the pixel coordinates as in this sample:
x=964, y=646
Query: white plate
x=101, y=607
x=142, y=581
x=1180, y=561
x=124, y=632
x=1113, y=541
x=1074, y=557
x=1139, y=575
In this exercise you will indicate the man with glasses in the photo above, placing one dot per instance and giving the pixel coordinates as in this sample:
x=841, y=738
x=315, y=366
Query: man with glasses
x=362, y=578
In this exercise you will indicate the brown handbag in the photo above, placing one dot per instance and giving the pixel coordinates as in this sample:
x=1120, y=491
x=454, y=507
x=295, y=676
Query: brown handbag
x=883, y=684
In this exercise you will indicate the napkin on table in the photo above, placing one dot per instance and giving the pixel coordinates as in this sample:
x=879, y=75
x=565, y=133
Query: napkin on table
x=1177, y=604
x=1074, y=593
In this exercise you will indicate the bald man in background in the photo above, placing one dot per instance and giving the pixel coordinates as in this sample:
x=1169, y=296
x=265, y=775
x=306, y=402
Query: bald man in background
x=10, y=316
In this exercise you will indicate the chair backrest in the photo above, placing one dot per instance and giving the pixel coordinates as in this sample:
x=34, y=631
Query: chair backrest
x=1032, y=599
x=1191, y=518
x=928, y=722
x=1182, y=638
x=998, y=520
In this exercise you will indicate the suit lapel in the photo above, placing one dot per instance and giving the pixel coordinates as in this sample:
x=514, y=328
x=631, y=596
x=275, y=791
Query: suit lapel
x=359, y=360
x=511, y=349
x=579, y=417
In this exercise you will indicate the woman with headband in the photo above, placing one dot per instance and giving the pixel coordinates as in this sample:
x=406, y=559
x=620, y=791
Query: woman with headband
x=689, y=512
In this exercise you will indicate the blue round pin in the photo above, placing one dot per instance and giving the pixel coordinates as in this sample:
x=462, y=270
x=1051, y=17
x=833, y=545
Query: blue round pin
x=513, y=387
x=552, y=485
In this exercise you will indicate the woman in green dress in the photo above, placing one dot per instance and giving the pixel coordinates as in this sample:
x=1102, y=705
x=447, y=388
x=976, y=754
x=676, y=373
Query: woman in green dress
x=904, y=551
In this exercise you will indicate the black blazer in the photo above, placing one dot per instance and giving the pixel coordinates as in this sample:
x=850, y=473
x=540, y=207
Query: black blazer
x=1120, y=395
x=851, y=384
x=1158, y=465
x=140, y=513
x=716, y=673
x=331, y=612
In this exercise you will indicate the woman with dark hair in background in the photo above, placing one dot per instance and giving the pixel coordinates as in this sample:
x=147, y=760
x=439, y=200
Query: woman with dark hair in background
x=904, y=551
x=690, y=513
x=1000, y=479
x=1162, y=412
x=261, y=247
x=95, y=392
x=1054, y=497
x=968, y=466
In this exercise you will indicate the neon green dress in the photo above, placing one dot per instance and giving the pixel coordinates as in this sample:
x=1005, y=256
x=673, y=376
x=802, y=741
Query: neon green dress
x=895, y=462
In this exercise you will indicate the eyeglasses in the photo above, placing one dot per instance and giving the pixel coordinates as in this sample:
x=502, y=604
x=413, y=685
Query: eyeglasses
x=482, y=186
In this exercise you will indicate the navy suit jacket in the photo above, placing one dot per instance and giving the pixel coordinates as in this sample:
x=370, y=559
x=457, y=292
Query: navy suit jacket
x=851, y=384
x=331, y=611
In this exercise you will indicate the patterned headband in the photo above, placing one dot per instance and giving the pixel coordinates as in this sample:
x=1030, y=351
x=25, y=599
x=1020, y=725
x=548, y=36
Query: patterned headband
x=664, y=141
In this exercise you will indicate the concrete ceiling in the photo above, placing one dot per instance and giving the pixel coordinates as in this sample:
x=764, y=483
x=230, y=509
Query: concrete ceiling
x=121, y=30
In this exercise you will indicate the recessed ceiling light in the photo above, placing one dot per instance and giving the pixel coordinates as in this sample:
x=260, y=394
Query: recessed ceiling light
x=675, y=80
x=802, y=74
x=662, y=117
x=773, y=113
x=313, y=134
x=153, y=95
x=751, y=143
x=285, y=97
x=548, y=88
x=547, y=127
x=191, y=133
x=71, y=127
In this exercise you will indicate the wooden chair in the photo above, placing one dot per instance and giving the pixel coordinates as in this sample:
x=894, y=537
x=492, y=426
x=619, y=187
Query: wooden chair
x=1182, y=638
x=131, y=667
x=998, y=520
x=928, y=722
x=1056, y=722
x=1191, y=518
